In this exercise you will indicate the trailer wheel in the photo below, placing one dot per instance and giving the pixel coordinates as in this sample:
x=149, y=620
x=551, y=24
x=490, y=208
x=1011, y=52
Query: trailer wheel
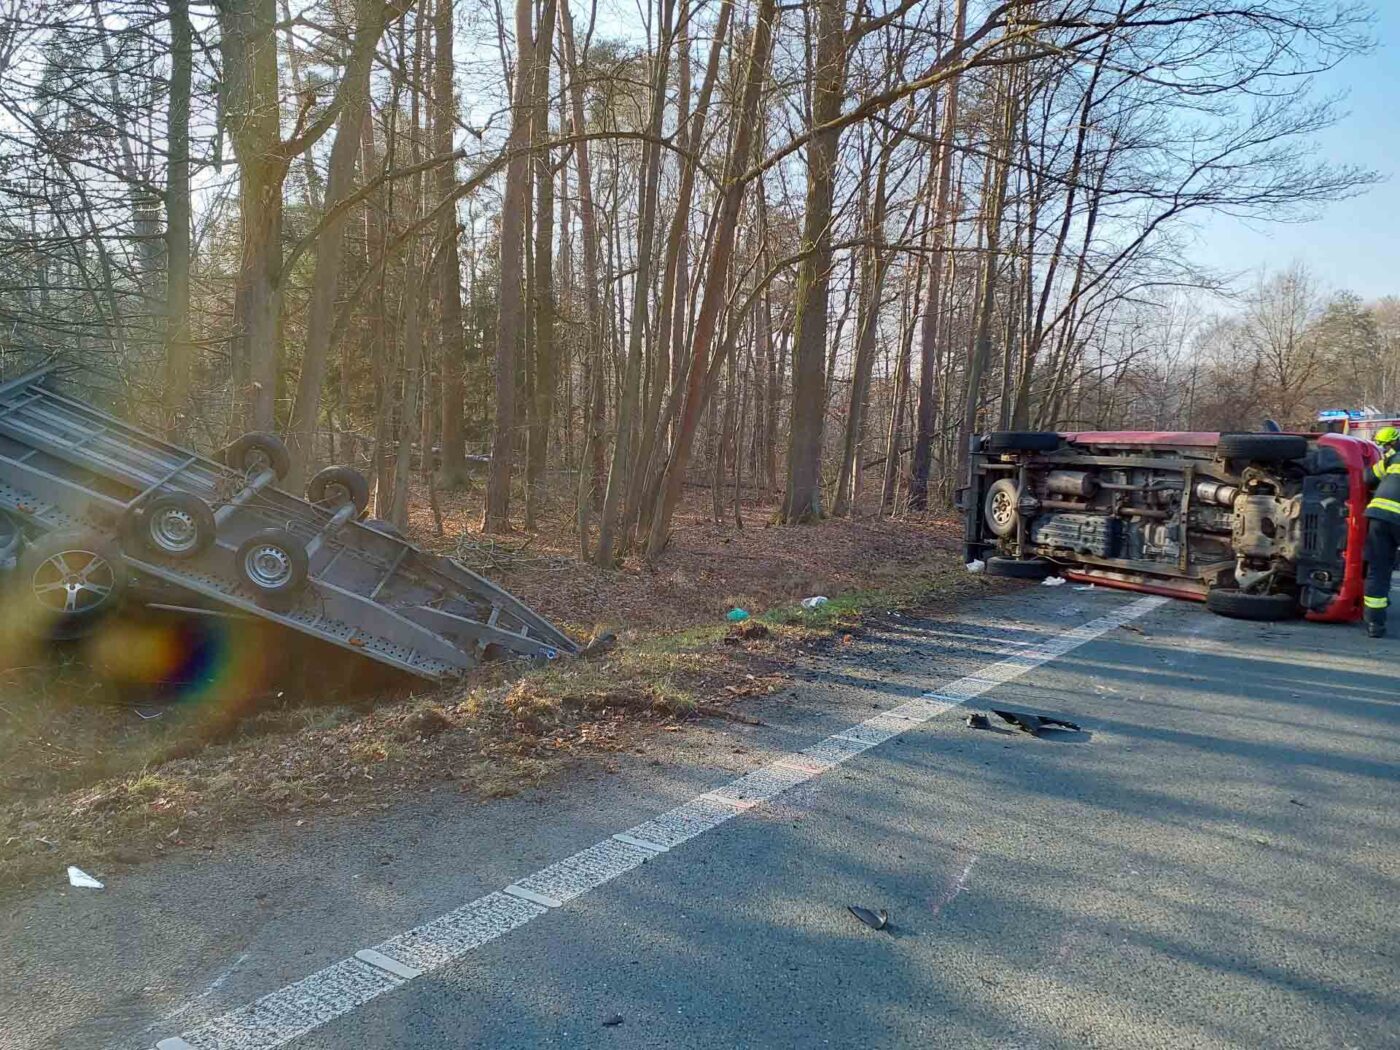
x=336, y=486
x=273, y=562
x=256, y=451
x=1242, y=606
x=72, y=578
x=1022, y=441
x=177, y=525
x=1019, y=568
x=999, y=508
x=1265, y=448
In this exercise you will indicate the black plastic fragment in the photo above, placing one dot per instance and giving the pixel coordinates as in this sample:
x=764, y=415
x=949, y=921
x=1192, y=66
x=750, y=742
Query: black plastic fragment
x=876, y=920
x=1033, y=723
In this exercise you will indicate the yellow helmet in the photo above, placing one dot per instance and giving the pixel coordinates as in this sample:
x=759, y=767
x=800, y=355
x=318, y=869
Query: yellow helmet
x=1387, y=436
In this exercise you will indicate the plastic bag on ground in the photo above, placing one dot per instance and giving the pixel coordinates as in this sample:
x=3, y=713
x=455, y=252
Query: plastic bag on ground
x=976, y=565
x=1053, y=581
x=815, y=601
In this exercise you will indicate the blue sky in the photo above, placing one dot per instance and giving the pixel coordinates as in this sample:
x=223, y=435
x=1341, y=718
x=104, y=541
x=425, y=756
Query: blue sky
x=1354, y=244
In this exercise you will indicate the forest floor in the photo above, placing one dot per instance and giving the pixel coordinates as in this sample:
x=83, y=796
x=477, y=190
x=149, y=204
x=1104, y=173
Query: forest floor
x=97, y=771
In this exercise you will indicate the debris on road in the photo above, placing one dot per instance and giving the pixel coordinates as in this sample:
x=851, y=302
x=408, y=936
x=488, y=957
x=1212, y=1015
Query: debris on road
x=1053, y=581
x=876, y=920
x=612, y=1020
x=815, y=602
x=78, y=877
x=977, y=720
x=1033, y=723
x=976, y=565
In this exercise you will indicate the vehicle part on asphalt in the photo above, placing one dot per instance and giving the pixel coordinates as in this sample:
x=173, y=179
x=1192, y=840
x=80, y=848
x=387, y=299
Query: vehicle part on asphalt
x=977, y=720
x=1019, y=568
x=876, y=920
x=255, y=452
x=1178, y=514
x=1031, y=723
x=72, y=579
x=1241, y=605
x=64, y=464
x=78, y=877
x=175, y=525
x=339, y=485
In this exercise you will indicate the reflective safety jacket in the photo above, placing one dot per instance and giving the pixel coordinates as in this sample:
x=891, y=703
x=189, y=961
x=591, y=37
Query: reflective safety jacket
x=1385, y=502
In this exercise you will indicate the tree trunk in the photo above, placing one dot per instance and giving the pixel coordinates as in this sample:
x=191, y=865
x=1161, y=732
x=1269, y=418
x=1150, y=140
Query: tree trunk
x=546, y=367
x=251, y=111
x=619, y=476
x=325, y=285
x=179, y=353
x=803, y=499
x=510, y=310
x=942, y=235
x=453, y=469
x=716, y=279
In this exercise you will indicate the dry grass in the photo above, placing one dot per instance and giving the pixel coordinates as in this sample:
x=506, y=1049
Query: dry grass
x=84, y=778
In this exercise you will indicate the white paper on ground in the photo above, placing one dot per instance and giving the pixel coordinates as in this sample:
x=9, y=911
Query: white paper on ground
x=976, y=565
x=78, y=877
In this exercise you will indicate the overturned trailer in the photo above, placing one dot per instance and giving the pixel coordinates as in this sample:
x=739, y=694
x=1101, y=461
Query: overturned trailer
x=92, y=509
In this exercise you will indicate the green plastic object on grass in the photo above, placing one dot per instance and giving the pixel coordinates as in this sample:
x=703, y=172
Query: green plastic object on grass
x=736, y=615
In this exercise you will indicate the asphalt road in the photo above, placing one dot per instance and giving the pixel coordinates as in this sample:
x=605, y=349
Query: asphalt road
x=1213, y=862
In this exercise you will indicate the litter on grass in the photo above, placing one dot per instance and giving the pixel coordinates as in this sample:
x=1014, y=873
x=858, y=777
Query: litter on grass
x=815, y=601
x=976, y=565
x=78, y=877
x=737, y=615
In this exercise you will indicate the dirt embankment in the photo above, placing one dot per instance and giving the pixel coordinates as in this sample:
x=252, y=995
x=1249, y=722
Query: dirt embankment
x=98, y=773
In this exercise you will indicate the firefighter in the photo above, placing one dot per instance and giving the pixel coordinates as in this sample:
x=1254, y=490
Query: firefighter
x=1383, y=531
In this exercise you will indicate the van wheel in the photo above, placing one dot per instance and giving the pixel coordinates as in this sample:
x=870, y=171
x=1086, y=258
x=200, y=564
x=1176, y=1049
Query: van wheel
x=1263, y=448
x=999, y=508
x=1019, y=568
x=1239, y=605
x=1022, y=441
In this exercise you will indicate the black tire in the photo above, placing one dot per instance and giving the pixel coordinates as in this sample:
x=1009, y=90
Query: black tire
x=334, y=485
x=273, y=563
x=1241, y=606
x=175, y=525
x=999, y=508
x=72, y=579
x=1263, y=448
x=1022, y=441
x=255, y=451
x=1019, y=568
x=388, y=528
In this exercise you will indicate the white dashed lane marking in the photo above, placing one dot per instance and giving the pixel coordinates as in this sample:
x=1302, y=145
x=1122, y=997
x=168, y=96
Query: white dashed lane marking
x=290, y=1012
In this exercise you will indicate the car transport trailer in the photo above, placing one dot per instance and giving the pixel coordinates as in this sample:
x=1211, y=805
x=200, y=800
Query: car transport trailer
x=91, y=507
